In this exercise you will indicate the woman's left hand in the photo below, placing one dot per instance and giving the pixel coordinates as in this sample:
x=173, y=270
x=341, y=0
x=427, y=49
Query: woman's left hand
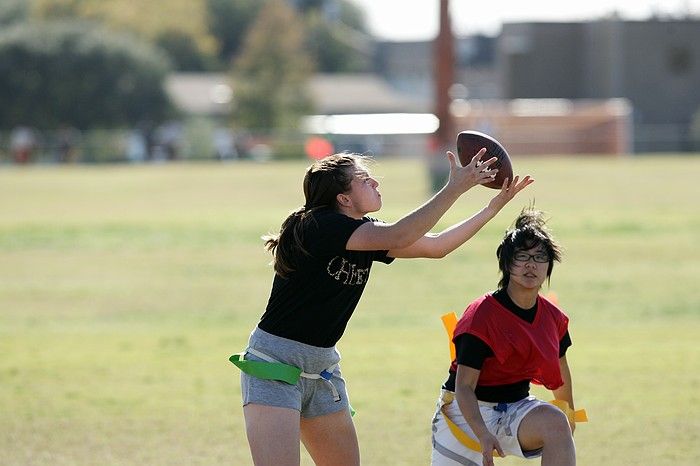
x=508, y=192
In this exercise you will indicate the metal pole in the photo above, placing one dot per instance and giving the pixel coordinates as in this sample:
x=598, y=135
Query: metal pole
x=443, y=62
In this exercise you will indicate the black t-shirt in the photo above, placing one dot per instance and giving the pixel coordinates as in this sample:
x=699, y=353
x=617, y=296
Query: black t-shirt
x=314, y=303
x=472, y=351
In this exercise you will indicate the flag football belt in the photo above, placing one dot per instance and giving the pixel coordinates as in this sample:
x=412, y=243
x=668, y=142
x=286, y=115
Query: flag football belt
x=450, y=322
x=271, y=369
x=447, y=397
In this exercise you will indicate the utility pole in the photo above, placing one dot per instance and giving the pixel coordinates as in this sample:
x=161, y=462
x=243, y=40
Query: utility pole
x=443, y=62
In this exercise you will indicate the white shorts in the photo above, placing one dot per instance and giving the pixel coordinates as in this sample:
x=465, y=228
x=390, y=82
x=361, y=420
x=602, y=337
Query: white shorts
x=448, y=451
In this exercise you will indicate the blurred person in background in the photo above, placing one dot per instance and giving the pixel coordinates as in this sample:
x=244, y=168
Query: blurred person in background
x=224, y=144
x=168, y=141
x=67, y=140
x=136, y=146
x=22, y=144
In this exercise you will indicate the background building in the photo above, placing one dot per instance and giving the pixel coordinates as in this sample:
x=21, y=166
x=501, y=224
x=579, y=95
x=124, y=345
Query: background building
x=408, y=67
x=653, y=64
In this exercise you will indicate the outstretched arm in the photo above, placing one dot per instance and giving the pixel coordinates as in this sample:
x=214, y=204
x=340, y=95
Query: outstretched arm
x=440, y=244
x=376, y=236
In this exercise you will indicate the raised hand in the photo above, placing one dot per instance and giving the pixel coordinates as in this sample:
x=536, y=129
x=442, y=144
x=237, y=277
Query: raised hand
x=508, y=192
x=474, y=173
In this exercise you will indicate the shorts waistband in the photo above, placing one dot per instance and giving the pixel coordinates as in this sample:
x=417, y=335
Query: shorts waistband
x=312, y=359
x=448, y=396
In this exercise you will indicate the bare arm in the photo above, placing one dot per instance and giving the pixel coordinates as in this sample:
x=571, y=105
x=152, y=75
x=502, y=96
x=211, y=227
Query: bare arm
x=465, y=383
x=374, y=236
x=566, y=391
x=439, y=245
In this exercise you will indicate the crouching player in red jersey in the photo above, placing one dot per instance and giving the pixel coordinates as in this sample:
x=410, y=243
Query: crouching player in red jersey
x=504, y=341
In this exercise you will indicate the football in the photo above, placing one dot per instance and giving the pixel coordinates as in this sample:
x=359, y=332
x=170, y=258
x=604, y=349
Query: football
x=471, y=142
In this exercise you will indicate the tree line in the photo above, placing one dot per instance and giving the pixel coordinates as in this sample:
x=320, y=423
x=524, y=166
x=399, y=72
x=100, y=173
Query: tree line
x=102, y=63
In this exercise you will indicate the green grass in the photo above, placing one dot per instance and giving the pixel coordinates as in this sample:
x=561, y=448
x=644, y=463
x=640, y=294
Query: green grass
x=123, y=290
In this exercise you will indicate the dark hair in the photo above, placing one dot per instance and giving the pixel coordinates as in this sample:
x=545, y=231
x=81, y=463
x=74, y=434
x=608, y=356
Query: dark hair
x=528, y=231
x=324, y=180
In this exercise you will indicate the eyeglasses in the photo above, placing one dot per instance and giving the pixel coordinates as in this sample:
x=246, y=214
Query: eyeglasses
x=524, y=257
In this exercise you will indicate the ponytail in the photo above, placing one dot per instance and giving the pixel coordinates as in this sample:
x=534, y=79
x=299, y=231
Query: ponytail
x=288, y=244
x=324, y=180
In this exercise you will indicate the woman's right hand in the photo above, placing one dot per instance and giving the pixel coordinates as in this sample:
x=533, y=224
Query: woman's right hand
x=474, y=173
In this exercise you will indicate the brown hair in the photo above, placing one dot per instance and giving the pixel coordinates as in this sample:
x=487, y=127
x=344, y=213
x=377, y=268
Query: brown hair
x=324, y=180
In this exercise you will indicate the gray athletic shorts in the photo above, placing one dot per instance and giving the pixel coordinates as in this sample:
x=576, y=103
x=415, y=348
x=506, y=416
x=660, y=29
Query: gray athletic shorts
x=311, y=397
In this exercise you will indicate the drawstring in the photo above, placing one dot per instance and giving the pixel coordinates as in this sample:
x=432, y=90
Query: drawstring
x=501, y=407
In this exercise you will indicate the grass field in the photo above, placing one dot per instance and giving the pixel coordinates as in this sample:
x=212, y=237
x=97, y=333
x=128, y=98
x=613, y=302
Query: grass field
x=123, y=290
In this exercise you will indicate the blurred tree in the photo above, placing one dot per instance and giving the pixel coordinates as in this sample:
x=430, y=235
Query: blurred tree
x=272, y=70
x=12, y=11
x=335, y=11
x=209, y=34
x=337, y=36
x=56, y=8
x=183, y=52
x=228, y=22
x=353, y=16
x=335, y=47
x=304, y=6
x=68, y=73
x=167, y=23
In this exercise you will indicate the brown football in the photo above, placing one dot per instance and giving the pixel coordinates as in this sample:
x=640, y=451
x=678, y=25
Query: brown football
x=471, y=142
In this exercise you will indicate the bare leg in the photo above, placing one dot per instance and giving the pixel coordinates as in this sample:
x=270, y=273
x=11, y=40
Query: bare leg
x=273, y=435
x=546, y=427
x=331, y=439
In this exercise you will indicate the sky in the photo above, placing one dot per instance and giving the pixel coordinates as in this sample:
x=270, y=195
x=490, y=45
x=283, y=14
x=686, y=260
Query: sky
x=404, y=20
